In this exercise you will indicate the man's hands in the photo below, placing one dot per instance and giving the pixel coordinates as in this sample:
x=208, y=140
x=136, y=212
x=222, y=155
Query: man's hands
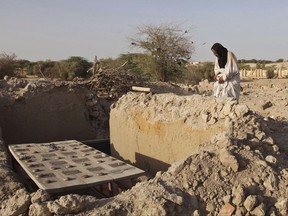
x=219, y=79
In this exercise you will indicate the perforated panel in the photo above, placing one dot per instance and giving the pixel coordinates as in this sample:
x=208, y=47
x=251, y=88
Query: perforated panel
x=58, y=166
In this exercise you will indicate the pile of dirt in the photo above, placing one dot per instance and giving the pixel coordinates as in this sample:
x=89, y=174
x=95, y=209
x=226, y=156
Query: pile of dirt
x=242, y=171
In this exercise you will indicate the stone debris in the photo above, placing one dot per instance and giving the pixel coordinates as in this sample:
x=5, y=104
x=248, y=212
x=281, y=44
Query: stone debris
x=266, y=105
x=40, y=196
x=250, y=202
x=282, y=206
x=241, y=171
x=227, y=210
x=17, y=204
x=228, y=159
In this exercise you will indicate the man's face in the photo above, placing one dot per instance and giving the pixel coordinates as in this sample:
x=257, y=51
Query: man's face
x=215, y=53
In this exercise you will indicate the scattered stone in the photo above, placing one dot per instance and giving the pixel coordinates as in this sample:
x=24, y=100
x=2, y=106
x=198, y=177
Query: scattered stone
x=285, y=174
x=16, y=205
x=259, y=210
x=210, y=207
x=68, y=204
x=241, y=110
x=40, y=196
x=239, y=195
x=282, y=206
x=39, y=209
x=228, y=159
x=271, y=159
x=267, y=105
x=268, y=140
x=260, y=135
x=275, y=148
x=242, y=135
x=196, y=213
x=271, y=182
x=250, y=202
x=226, y=210
x=240, y=211
x=212, y=121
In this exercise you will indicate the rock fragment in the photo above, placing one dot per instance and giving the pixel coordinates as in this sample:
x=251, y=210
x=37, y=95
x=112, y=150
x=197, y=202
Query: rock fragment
x=238, y=195
x=282, y=206
x=16, y=205
x=40, y=196
x=259, y=210
x=250, y=202
x=39, y=209
x=271, y=159
x=228, y=159
x=266, y=105
x=271, y=182
x=226, y=210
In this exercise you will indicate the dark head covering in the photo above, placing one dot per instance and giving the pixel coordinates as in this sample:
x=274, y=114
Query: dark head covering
x=222, y=54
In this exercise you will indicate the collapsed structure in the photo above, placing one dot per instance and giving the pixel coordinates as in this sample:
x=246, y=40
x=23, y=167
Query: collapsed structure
x=224, y=159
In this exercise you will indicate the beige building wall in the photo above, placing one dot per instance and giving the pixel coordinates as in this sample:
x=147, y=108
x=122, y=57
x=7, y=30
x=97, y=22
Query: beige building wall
x=260, y=73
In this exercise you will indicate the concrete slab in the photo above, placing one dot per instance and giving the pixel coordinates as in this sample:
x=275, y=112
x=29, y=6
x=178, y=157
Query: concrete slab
x=64, y=165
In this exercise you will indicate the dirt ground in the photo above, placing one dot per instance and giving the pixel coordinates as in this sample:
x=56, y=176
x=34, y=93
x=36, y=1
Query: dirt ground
x=260, y=91
x=269, y=98
x=242, y=171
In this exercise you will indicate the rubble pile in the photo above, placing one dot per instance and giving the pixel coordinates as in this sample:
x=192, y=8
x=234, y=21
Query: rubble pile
x=242, y=170
x=16, y=90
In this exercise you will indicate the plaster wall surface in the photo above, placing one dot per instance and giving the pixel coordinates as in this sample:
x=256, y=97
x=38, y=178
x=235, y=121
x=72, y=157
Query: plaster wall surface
x=153, y=131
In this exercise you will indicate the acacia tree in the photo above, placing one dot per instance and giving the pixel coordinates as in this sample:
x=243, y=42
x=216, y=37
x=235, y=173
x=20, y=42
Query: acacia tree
x=168, y=45
x=7, y=64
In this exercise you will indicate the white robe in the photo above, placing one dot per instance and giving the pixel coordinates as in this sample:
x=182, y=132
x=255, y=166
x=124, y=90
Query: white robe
x=231, y=77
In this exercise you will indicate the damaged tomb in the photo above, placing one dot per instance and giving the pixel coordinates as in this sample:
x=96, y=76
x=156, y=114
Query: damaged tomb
x=205, y=156
x=69, y=165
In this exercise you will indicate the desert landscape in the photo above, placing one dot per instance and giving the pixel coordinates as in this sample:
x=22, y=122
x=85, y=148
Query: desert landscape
x=121, y=108
x=202, y=155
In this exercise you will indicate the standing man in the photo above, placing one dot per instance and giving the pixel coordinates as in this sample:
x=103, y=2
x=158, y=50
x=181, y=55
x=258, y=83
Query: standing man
x=227, y=76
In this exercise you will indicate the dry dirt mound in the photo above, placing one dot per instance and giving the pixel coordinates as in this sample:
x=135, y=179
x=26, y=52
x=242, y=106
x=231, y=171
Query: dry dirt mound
x=243, y=167
x=243, y=170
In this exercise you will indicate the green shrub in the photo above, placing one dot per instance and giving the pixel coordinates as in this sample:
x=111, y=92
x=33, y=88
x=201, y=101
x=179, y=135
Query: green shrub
x=270, y=73
x=7, y=65
x=196, y=73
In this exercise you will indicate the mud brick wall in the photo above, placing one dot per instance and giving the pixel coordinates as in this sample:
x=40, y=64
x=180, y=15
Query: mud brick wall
x=153, y=131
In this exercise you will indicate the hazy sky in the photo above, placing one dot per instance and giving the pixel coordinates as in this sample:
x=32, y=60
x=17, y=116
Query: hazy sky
x=57, y=29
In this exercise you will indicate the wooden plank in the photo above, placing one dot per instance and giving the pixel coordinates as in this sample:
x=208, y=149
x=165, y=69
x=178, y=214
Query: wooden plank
x=142, y=89
x=66, y=165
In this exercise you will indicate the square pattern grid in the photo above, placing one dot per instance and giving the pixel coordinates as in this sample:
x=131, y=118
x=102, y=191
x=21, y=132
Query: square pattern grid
x=65, y=165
